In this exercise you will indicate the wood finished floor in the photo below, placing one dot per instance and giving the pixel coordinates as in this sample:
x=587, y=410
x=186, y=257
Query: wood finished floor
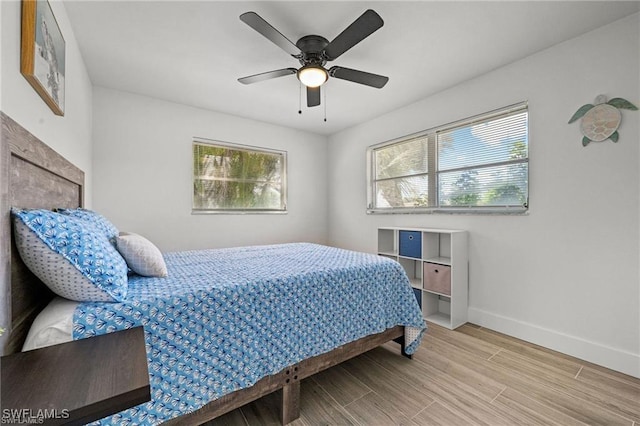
x=470, y=376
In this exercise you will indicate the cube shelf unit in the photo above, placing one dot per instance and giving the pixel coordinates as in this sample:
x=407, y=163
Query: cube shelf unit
x=437, y=264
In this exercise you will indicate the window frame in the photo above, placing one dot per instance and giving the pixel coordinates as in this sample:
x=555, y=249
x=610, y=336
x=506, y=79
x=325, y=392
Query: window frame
x=433, y=171
x=246, y=148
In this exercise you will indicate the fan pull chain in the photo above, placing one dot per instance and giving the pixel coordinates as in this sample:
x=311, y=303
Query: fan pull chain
x=324, y=93
x=300, y=99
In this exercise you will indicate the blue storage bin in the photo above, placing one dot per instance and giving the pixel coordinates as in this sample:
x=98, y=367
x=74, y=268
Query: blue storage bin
x=418, y=293
x=411, y=244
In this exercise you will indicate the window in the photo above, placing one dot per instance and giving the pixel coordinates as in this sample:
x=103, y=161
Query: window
x=235, y=178
x=478, y=164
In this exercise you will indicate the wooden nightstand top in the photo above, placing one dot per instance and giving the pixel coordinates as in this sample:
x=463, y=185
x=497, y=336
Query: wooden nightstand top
x=79, y=381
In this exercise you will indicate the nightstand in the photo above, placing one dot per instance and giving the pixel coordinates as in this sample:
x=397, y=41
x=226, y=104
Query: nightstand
x=76, y=382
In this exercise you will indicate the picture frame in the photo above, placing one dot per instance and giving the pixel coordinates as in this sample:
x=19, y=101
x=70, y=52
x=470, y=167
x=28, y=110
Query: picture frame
x=42, y=55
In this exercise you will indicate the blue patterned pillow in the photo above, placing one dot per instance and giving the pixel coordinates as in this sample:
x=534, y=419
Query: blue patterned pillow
x=70, y=255
x=99, y=221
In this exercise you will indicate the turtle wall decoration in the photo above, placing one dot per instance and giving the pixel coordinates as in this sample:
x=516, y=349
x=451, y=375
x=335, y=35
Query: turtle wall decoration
x=600, y=120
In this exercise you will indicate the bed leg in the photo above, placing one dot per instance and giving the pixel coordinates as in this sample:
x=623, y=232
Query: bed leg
x=406, y=354
x=401, y=341
x=290, y=409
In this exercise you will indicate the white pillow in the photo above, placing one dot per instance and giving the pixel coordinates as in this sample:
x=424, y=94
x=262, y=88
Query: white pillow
x=141, y=255
x=52, y=326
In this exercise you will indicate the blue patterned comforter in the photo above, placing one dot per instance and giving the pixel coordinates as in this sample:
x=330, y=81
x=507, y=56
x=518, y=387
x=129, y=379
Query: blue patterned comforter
x=223, y=319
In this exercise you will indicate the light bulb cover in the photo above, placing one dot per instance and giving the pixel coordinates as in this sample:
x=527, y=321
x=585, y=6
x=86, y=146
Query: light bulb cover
x=312, y=75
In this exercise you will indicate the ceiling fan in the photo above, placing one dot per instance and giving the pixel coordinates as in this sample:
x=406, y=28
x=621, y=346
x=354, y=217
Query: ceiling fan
x=315, y=51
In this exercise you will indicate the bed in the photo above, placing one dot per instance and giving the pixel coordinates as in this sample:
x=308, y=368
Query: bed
x=34, y=176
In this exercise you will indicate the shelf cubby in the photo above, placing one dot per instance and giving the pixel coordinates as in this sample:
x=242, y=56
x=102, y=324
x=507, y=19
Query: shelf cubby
x=446, y=247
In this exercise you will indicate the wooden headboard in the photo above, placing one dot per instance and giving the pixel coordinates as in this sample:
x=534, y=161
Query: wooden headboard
x=32, y=175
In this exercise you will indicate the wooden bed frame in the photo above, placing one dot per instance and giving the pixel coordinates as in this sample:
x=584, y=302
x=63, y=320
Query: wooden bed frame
x=35, y=176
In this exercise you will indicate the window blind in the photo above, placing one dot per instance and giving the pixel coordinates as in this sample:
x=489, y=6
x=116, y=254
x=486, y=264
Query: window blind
x=401, y=174
x=474, y=164
x=485, y=163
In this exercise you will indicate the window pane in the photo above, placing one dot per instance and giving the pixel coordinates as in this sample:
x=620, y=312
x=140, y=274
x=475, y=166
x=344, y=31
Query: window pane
x=401, y=159
x=215, y=194
x=237, y=179
x=402, y=192
x=504, y=185
x=494, y=141
x=244, y=165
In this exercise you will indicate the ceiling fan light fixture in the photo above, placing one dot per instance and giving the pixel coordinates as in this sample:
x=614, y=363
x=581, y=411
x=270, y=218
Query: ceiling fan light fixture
x=312, y=75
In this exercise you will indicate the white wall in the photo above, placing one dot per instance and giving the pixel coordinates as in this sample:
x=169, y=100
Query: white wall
x=566, y=275
x=1, y=58
x=143, y=174
x=69, y=135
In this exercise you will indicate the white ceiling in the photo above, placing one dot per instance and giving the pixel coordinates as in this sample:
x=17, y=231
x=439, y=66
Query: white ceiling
x=192, y=52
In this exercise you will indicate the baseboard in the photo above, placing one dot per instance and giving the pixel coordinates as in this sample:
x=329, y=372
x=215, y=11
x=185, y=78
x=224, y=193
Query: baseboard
x=615, y=359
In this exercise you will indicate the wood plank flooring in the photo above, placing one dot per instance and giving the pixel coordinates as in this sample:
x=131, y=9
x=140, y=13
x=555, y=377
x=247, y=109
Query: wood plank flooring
x=470, y=376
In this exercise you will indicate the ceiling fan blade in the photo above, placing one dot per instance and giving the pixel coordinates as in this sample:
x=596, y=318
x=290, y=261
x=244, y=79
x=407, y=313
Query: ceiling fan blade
x=267, y=75
x=360, y=29
x=254, y=20
x=366, y=78
x=313, y=96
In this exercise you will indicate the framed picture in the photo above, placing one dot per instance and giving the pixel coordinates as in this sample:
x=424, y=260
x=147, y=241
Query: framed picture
x=42, y=59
